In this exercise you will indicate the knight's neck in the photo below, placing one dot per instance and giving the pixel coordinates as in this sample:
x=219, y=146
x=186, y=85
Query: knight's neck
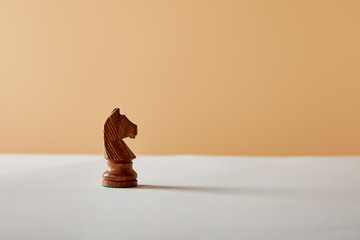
x=118, y=151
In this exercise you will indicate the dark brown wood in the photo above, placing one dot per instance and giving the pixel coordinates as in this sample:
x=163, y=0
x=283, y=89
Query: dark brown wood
x=119, y=172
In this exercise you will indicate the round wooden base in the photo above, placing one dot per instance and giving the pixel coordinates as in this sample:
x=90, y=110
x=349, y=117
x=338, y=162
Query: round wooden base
x=123, y=184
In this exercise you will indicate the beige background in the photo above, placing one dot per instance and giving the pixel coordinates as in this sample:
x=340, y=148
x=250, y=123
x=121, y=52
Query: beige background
x=205, y=77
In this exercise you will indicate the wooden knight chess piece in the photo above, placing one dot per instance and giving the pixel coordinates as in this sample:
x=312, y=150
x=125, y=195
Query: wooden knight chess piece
x=119, y=172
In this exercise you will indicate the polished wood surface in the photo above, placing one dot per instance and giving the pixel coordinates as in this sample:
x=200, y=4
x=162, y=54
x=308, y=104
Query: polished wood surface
x=119, y=172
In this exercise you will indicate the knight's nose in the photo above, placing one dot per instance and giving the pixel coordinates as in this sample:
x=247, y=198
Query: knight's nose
x=136, y=130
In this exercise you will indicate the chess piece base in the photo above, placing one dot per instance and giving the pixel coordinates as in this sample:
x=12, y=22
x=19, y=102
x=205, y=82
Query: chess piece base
x=124, y=184
x=119, y=175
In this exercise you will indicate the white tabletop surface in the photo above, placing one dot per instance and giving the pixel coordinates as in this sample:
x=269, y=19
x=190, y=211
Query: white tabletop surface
x=181, y=197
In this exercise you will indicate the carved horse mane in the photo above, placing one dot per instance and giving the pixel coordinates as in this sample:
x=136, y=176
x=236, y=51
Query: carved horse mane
x=116, y=128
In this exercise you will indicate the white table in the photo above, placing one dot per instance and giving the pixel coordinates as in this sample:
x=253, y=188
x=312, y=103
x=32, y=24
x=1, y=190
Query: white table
x=181, y=197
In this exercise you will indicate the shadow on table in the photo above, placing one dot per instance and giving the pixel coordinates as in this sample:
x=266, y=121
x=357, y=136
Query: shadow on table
x=254, y=191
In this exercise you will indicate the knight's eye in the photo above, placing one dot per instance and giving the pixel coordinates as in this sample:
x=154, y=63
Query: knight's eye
x=122, y=120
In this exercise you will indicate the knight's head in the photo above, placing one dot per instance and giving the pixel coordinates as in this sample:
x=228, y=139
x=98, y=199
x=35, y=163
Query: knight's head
x=118, y=126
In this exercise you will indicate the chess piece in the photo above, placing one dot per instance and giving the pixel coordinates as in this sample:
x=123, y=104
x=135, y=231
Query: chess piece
x=119, y=172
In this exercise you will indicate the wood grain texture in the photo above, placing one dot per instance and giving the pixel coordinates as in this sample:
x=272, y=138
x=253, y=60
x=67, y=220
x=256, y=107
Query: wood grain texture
x=119, y=172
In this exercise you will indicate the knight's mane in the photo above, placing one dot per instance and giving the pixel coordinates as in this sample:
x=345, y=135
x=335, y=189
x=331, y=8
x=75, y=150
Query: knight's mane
x=110, y=129
x=111, y=134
